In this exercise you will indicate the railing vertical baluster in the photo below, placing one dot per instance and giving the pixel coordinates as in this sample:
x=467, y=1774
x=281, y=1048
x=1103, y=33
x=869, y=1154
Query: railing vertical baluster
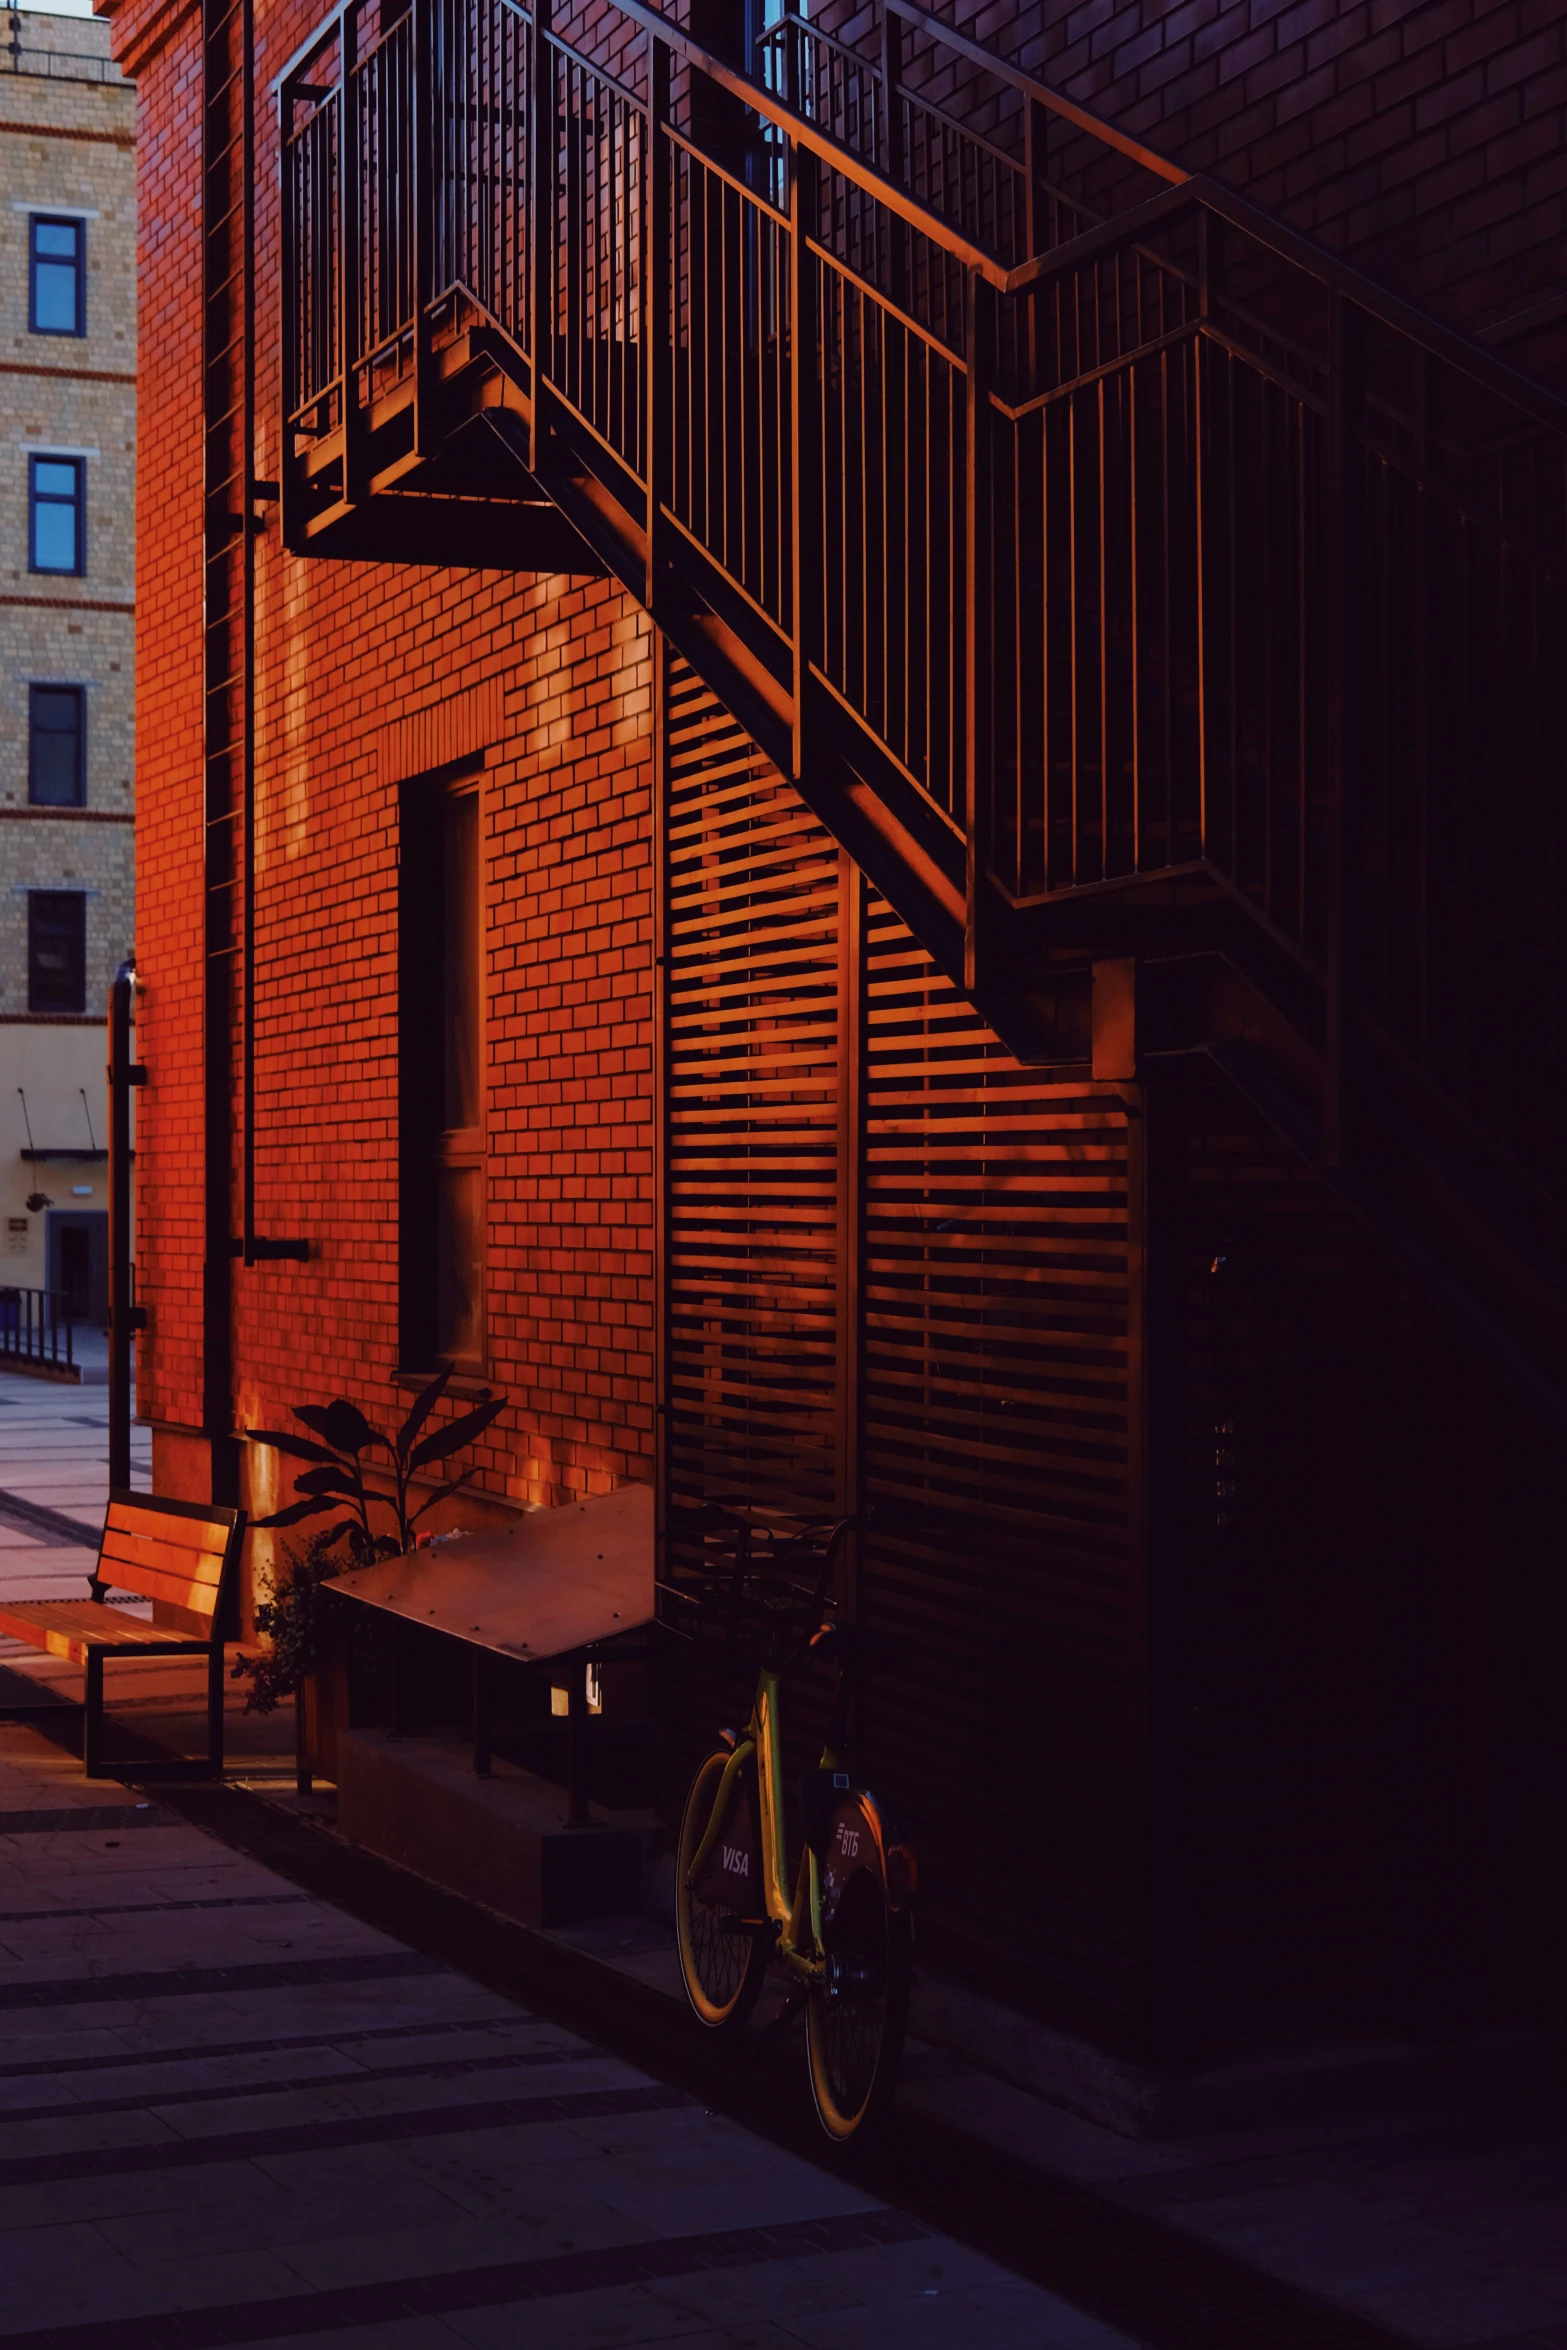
x=978, y=337
x=350, y=229
x=893, y=152
x=295, y=239
x=423, y=98
x=656, y=299
x=1339, y=554
x=541, y=224
x=805, y=485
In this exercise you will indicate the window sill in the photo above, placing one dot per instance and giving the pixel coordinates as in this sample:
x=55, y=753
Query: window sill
x=470, y=1385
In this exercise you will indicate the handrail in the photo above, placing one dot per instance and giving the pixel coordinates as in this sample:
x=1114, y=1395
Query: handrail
x=1184, y=191
x=1444, y=342
x=1005, y=71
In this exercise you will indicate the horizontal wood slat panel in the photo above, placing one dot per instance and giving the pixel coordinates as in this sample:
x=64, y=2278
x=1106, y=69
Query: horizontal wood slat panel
x=834, y=1107
x=167, y=1526
x=169, y=1585
x=68, y=1628
x=140, y=1554
x=754, y=890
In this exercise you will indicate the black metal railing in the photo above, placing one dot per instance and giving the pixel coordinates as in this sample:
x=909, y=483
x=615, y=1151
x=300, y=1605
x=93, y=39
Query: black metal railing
x=1156, y=548
x=35, y=1329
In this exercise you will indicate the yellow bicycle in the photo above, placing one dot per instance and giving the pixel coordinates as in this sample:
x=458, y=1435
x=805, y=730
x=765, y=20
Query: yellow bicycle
x=844, y=1933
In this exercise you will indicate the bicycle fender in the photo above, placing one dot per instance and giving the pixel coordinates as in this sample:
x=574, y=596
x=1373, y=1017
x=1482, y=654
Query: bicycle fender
x=730, y=1877
x=862, y=1840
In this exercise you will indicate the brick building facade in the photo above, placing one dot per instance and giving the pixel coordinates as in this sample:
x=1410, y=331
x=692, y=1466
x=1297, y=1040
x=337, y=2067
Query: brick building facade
x=68, y=336
x=1418, y=140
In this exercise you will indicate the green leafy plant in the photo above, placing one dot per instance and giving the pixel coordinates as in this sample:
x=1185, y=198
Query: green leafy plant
x=300, y=1621
x=340, y=1438
x=301, y=1624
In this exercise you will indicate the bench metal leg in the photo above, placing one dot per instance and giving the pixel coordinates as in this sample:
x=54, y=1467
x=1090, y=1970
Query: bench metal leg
x=92, y=1717
x=481, y=1718
x=215, y=1709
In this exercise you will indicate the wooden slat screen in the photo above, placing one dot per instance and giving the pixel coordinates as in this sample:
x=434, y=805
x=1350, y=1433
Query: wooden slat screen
x=753, y=1027
x=1000, y=1470
x=902, y=1276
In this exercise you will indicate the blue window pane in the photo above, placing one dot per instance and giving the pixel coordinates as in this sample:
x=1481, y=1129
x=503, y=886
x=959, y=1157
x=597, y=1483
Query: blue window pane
x=54, y=539
x=54, y=299
x=58, y=253
x=56, y=514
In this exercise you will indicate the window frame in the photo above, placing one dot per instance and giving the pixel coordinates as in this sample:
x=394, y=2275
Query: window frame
x=78, y=693
x=36, y=900
x=428, y=1148
x=35, y=259
x=78, y=505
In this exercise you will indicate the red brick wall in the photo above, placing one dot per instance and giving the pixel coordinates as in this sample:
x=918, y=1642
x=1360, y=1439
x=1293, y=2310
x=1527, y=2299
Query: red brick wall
x=168, y=734
x=349, y=657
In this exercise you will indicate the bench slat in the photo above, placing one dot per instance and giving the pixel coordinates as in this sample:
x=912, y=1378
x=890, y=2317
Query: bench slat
x=165, y=1526
x=142, y=1551
x=177, y=1590
x=69, y=1627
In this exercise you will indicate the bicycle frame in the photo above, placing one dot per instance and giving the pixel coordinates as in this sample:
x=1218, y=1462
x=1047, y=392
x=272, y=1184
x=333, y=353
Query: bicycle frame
x=797, y=1916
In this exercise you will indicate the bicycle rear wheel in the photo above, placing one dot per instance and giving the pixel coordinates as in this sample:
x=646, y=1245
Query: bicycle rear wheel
x=718, y=1921
x=856, y=2018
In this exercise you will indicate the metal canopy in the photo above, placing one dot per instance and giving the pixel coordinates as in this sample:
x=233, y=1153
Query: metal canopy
x=556, y=1581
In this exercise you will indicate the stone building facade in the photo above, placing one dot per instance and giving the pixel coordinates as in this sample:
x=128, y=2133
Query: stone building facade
x=67, y=490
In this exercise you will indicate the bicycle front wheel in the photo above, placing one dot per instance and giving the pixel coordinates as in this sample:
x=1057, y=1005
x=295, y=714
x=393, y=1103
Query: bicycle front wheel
x=719, y=1920
x=856, y=2016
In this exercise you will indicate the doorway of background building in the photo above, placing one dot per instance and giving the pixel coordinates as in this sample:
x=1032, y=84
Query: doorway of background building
x=76, y=1248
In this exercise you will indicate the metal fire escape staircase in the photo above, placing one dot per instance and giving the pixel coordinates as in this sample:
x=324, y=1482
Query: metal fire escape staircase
x=1170, y=621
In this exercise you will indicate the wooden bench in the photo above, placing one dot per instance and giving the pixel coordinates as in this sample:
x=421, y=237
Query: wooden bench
x=184, y=1553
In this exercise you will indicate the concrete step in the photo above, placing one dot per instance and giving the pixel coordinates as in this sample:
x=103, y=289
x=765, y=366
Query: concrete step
x=504, y=1840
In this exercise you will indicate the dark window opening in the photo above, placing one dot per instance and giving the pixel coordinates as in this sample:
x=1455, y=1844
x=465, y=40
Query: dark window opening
x=56, y=950
x=76, y=1257
x=442, y=1078
x=58, y=295
x=56, y=746
x=57, y=531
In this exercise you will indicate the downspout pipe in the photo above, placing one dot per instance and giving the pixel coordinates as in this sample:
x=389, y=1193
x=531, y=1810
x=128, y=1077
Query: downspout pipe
x=125, y=1316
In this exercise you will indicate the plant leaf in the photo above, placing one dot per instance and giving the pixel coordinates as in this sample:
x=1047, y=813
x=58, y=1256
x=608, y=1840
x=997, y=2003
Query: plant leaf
x=328, y=1480
x=454, y=1485
x=297, y=1445
x=458, y=1433
x=294, y=1511
x=423, y=1404
x=343, y=1424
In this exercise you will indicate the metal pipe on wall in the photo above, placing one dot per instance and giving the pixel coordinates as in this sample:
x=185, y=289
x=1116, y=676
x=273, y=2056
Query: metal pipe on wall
x=125, y=1317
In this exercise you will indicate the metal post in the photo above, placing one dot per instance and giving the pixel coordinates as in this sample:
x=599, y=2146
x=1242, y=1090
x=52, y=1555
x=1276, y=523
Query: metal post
x=578, y=1815
x=1341, y=630
x=350, y=247
x=977, y=335
x=481, y=1718
x=124, y=1074
x=892, y=151
x=541, y=199
x=656, y=304
x=806, y=484
x=423, y=98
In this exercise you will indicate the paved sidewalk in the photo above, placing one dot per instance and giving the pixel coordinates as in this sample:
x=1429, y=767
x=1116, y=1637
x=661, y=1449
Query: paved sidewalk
x=224, y=2098
x=1445, y=2223
x=54, y=1461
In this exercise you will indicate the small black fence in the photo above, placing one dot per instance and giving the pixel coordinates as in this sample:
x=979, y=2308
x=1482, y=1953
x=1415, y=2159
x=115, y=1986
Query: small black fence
x=35, y=1330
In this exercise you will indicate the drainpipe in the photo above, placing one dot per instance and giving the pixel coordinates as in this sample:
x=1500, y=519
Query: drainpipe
x=125, y=1316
